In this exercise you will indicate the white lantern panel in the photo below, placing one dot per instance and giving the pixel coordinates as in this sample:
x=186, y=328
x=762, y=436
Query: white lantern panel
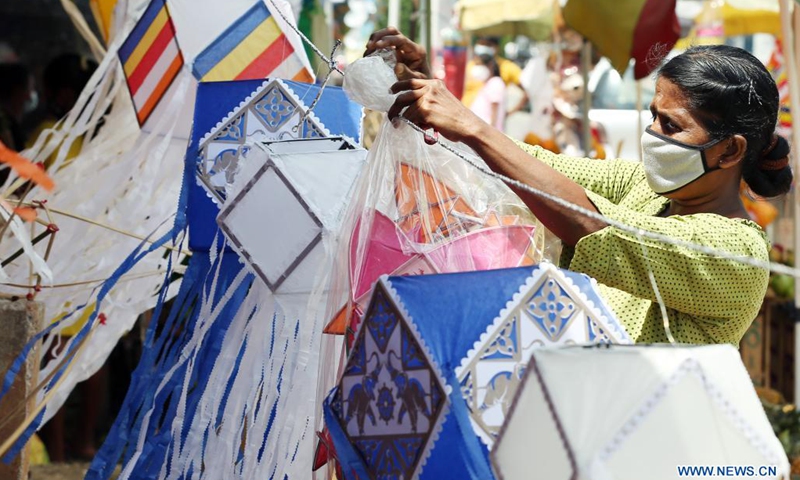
x=273, y=225
x=533, y=435
x=708, y=437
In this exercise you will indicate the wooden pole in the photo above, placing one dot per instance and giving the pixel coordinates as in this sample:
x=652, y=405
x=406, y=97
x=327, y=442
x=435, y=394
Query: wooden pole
x=394, y=13
x=586, y=66
x=427, y=29
x=790, y=50
x=19, y=322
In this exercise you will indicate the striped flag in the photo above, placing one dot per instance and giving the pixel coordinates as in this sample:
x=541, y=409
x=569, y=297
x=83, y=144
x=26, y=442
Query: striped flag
x=777, y=67
x=151, y=59
x=253, y=47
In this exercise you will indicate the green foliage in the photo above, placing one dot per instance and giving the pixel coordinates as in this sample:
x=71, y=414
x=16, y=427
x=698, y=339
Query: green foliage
x=410, y=16
x=780, y=284
x=785, y=420
x=410, y=12
x=305, y=22
x=382, y=16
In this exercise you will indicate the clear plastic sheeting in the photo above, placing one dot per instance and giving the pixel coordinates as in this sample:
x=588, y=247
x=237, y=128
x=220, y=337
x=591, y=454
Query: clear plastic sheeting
x=417, y=209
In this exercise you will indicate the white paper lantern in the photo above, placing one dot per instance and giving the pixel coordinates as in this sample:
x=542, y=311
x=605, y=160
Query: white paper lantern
x=637, y=412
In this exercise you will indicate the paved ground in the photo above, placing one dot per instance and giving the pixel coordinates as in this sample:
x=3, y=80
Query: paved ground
x=60, y=471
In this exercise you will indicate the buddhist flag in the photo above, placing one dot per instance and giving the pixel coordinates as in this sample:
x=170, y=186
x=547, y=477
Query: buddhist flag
x=151, y=59
x=253, y=47
x=625, y=29
x=777, y=68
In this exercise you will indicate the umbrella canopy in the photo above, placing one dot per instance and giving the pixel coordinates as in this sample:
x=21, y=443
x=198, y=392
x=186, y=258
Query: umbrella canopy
x=746, y=17
x=625, y=29
x=507, y=17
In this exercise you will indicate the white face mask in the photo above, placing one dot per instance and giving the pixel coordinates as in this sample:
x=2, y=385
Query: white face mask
x=480, y=73
x=669, y=164
x=32, y=102
x=484, y=50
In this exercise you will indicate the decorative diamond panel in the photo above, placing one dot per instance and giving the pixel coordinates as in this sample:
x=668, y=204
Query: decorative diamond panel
x=390, y=400
x=293, y=229
x=273, y=112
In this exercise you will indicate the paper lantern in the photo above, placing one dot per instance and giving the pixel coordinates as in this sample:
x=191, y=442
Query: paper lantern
x=231, y=116
x=272, y=112
x=637, y=412
x=437, y=359
x=276, y=222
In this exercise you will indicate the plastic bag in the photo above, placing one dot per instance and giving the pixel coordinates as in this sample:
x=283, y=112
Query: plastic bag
x=368, y=80
x=420, y=209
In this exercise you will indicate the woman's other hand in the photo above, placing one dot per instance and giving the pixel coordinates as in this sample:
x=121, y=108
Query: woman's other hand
x=431, y=105
x=412, y=60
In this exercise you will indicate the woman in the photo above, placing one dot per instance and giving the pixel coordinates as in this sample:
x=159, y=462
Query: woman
x=714, y=114
x=489, y=103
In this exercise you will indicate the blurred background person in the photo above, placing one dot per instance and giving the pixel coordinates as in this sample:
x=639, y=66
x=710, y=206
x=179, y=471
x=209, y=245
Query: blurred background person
x=7, y=53
x=489, y=103
x=17, y=97
x=487, y=48
x=62, y=81
x=538, y=82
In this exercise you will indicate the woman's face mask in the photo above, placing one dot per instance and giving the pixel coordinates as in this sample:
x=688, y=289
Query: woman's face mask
x=669, y=164
x=480, y=73
x=484, y=51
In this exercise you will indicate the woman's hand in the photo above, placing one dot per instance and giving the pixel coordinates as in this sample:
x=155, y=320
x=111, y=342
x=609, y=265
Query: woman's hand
x=431, y=105
x=412, y=60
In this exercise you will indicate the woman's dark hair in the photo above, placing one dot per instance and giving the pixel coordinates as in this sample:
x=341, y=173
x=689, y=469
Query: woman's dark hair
x=494, y=67
x=490, y=63
x=732, y=93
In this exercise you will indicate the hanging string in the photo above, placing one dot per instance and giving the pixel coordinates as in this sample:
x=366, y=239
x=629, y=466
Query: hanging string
x=74, y=216
x=313, y=105
x=662, y=307
x=639, y=232
x=331, y=64
x=123, y=278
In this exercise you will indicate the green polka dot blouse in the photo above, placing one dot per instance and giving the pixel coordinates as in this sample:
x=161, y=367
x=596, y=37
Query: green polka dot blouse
x=708, y=299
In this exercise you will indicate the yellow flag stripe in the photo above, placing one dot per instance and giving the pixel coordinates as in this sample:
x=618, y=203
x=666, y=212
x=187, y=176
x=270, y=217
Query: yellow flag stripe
x=147, y=40
x=245, y=53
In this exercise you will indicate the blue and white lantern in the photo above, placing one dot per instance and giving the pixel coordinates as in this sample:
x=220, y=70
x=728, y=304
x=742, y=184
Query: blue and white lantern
x=438, y=359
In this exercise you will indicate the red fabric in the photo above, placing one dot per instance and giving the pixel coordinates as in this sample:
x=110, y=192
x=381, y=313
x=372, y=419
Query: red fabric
x=657, y=28
x=164, y=37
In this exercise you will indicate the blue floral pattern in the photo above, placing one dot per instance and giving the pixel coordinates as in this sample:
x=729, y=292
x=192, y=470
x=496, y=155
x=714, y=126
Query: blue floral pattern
x=270, y=115
x=274, y=108
x=233, y=131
